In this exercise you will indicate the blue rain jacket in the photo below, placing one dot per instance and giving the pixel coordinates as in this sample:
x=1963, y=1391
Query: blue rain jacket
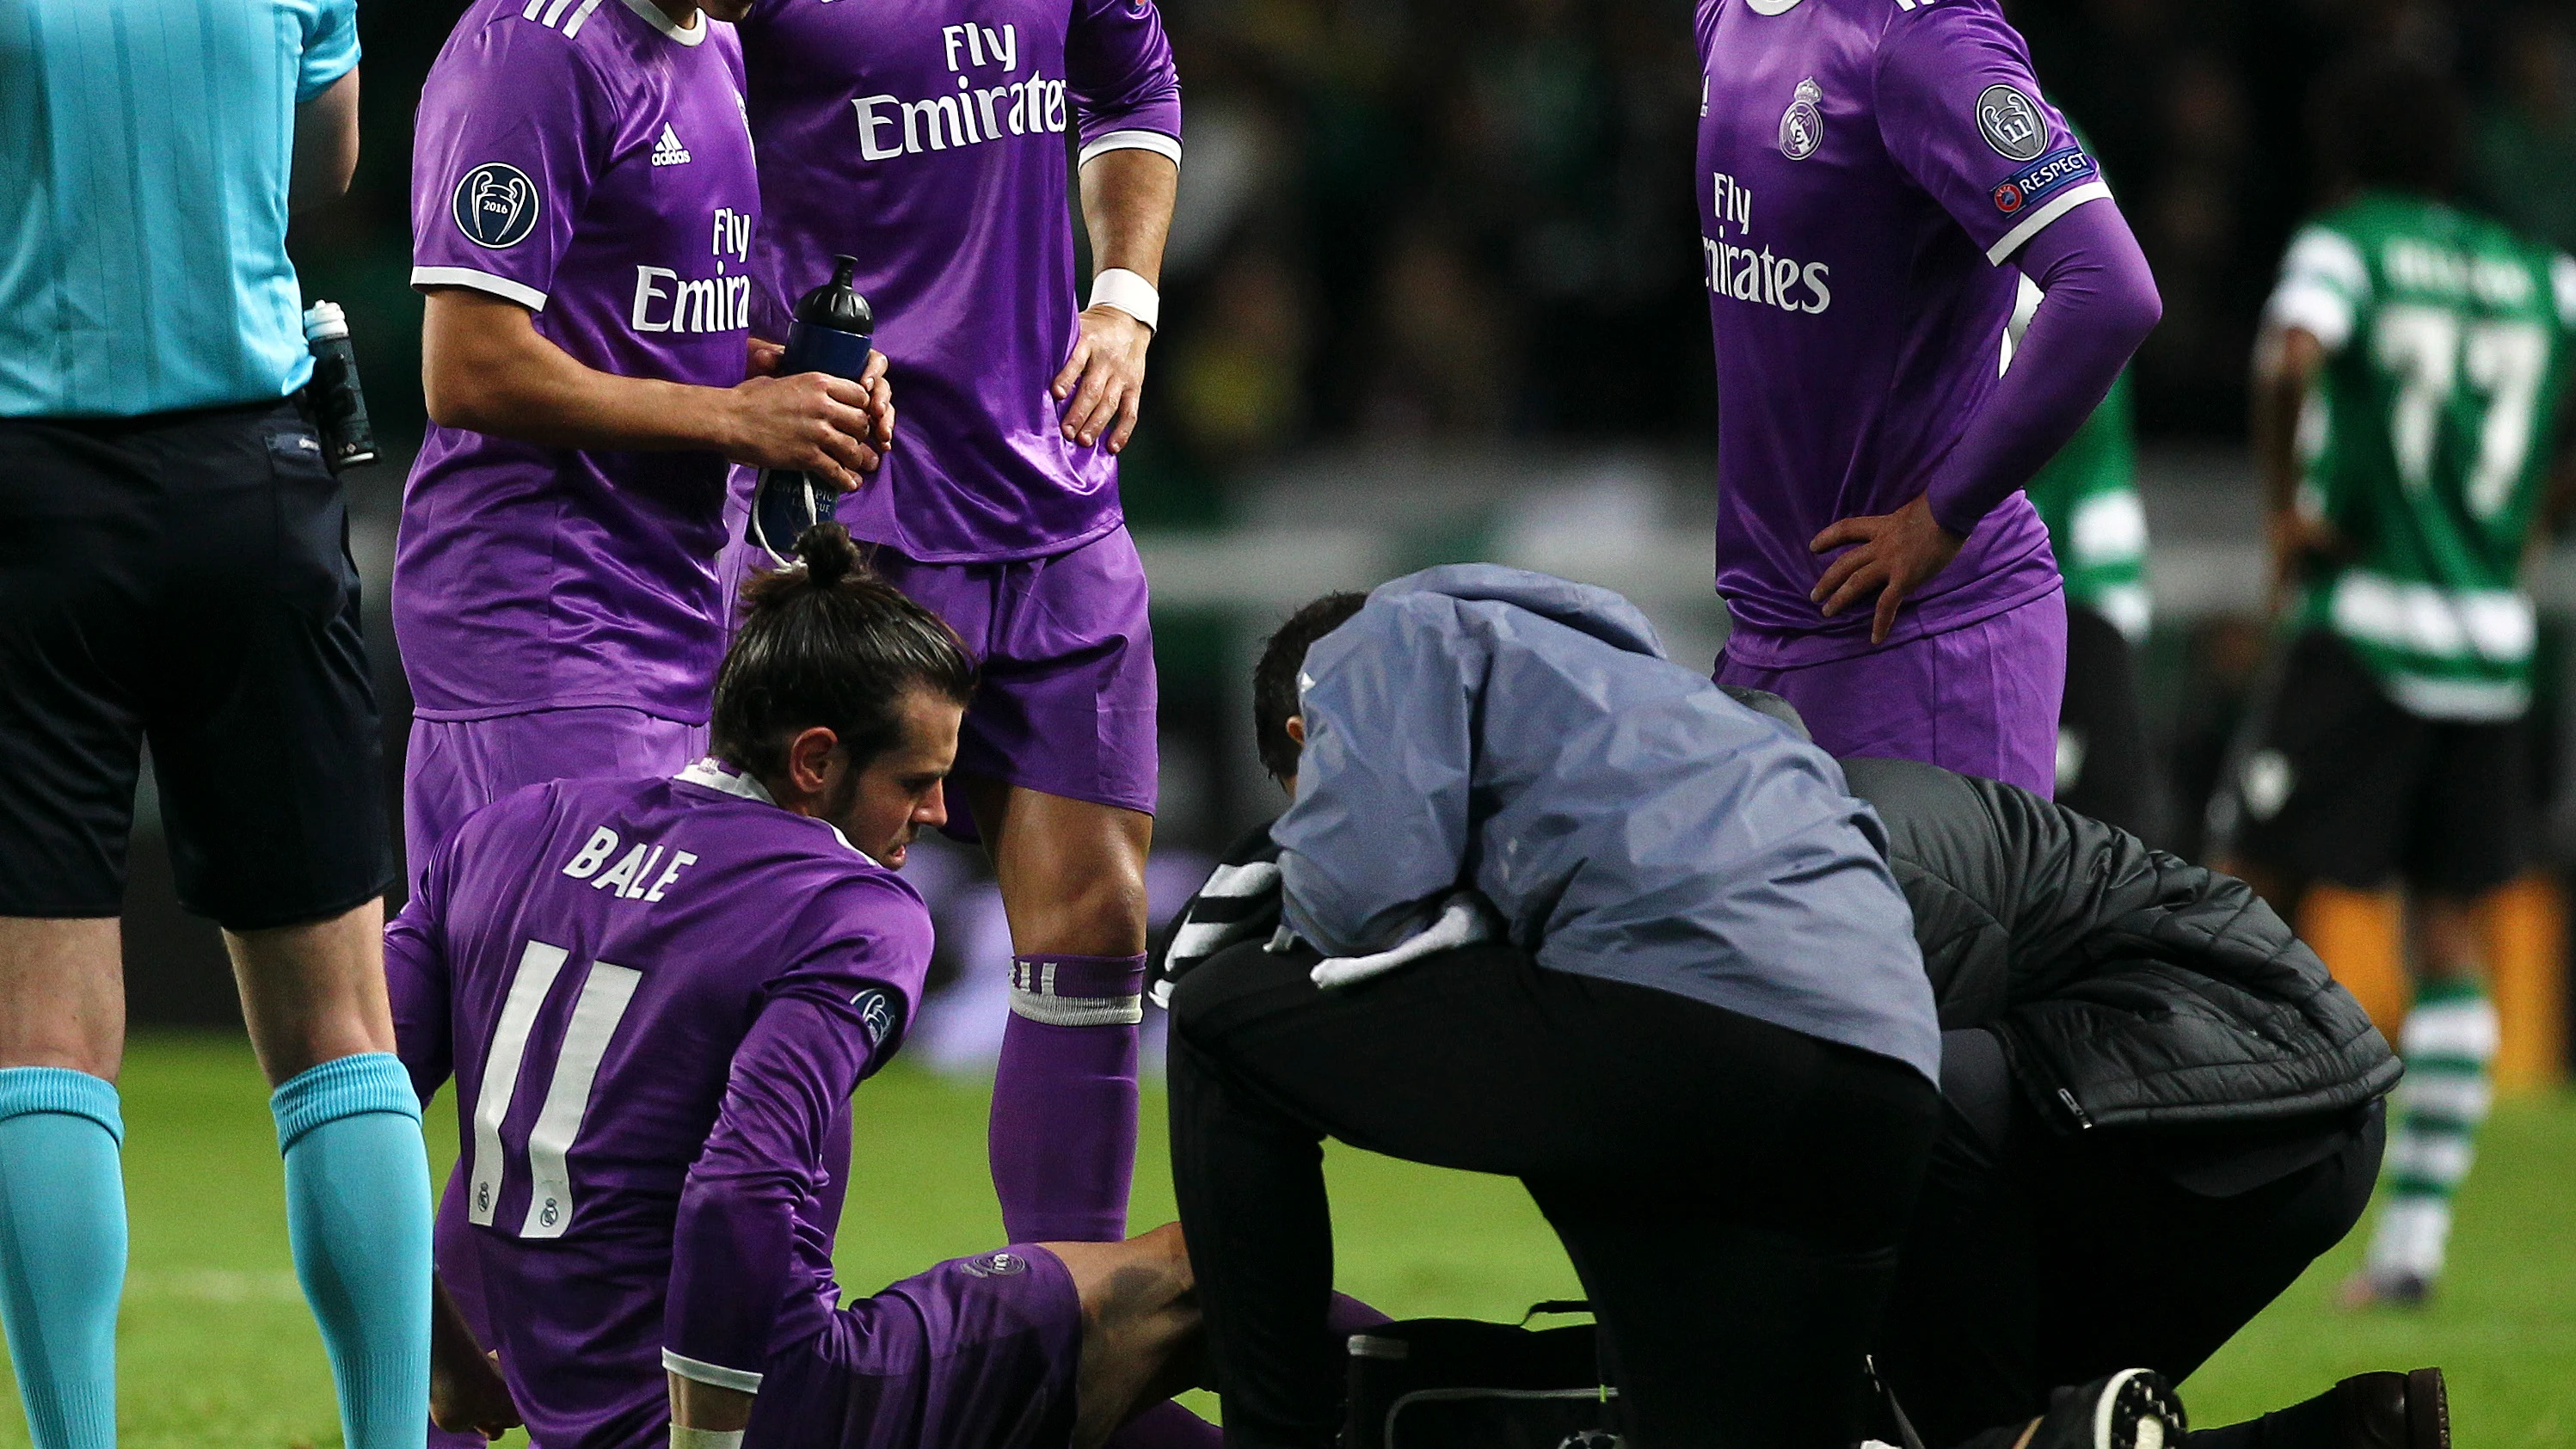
x=1524, y=735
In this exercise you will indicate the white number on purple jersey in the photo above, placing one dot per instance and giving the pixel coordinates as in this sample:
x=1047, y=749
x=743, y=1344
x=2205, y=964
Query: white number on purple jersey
x=605, y=994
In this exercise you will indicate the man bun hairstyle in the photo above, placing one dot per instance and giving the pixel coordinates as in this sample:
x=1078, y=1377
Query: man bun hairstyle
x=1274, y=679
x=826, y=642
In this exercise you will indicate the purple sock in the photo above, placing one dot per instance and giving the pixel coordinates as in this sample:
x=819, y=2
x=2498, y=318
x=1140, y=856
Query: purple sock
x=1166, y=1426
x=1063, y=1138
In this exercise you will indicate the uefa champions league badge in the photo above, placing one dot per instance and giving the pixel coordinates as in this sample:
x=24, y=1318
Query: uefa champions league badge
x=995, y=1265
x=2010, y=123
x=495, y=205
x=1802, y=126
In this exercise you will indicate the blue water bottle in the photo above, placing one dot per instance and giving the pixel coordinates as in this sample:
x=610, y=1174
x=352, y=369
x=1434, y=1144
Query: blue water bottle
x=831, y=331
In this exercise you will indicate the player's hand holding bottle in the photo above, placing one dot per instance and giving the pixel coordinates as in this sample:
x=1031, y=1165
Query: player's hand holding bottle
x=834, y=428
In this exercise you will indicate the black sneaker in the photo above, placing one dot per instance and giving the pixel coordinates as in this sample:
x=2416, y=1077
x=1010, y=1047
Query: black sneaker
x=2131, y=1409
x=2393, y=1411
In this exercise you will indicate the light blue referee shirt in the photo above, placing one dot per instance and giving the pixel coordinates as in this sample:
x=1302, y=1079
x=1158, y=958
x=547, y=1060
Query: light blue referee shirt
x=146, y=146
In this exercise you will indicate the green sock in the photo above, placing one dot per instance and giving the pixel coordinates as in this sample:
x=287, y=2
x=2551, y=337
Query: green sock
x=2449, y=1043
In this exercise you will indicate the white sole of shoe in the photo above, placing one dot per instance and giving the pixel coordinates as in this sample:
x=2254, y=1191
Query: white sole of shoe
x=2137, y=1411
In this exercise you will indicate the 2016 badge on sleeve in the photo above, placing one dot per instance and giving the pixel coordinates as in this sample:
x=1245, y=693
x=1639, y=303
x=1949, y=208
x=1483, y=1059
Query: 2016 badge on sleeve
x=496, y=205
x=2010, y=122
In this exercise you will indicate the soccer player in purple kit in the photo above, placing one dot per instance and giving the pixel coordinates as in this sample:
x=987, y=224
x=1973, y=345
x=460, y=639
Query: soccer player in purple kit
x=927, y=138
x=656, y=998
x=583, y=212
x=1867, y=169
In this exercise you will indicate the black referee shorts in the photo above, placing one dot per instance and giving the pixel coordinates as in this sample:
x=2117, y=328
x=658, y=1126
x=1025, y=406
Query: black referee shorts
x=185, y=579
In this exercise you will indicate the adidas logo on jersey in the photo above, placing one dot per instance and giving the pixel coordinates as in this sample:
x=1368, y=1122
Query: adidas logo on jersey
x=668, y=151
x=550, y=13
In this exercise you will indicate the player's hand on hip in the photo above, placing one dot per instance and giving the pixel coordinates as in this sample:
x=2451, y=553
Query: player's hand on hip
x=467, y=1393
x=812, y=421
x=1892, y=555
x=1104, y=379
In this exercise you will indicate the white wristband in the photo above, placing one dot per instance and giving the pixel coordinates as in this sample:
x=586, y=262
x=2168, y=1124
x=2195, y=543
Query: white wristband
x=1129, y=293
x=686, y=1438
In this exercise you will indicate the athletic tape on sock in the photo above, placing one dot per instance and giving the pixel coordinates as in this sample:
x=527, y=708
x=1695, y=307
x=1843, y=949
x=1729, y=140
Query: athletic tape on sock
x=1079, y=990
x=683, y=1437
x=348, y=1087
x=59, y=1089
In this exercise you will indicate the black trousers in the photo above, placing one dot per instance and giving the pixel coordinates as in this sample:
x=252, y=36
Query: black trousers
x=2037, y=1259
x=1731, y=1193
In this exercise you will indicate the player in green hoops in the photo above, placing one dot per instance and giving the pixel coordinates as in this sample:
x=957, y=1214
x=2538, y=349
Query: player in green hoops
x=2088, y=497
x=2408, y=397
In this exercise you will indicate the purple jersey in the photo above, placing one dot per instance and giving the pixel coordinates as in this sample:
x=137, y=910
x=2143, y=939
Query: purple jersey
x=932, y=149
x=589, y=161
x=1866, y=169
x=656, y=998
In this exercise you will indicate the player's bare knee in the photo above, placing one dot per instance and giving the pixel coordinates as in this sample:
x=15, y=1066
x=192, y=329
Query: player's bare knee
x=1097, y=912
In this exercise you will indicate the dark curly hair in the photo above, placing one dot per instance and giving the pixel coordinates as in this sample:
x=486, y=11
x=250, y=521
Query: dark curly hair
x=1274, y=679
x=828, y=643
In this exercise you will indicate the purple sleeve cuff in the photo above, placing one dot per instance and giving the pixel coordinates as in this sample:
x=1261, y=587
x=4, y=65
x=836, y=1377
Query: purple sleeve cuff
x=1155, y=128
x=1118, y=64
x=2100, y=304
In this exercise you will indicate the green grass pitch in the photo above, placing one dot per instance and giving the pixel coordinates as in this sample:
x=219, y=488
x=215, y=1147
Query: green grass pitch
x=217, y=1349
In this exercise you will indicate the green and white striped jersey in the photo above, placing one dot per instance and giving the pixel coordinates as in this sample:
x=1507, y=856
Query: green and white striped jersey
x=2088, y=497
x=2427, y=439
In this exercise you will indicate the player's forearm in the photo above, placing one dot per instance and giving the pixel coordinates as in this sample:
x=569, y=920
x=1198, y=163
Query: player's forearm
x=2287, y=362
x=1127, y=198
x=2101, y=303
x=485, y=368
x=707, y=1408
x=2277, y=397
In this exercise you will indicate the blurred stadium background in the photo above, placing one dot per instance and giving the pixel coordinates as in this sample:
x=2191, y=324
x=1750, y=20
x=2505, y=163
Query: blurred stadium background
x=1433, y=294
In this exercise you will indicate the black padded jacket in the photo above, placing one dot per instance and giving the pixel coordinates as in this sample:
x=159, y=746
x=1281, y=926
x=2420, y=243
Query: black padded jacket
x=2129, y=988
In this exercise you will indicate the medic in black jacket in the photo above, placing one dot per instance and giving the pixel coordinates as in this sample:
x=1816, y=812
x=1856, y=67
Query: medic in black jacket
x=2159, y=1107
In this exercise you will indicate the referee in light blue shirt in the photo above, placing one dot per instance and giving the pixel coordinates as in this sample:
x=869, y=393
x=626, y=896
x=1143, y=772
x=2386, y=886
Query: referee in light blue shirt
x=174, y=568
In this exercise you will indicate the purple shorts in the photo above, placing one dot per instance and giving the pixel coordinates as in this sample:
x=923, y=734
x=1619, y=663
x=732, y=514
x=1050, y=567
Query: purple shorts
x=1066, y=703
x=456, y=767
x=1978, y=700
x=977, y=1353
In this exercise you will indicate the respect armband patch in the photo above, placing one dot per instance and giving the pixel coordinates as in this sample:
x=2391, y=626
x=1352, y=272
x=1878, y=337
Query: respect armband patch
x=2044, y=178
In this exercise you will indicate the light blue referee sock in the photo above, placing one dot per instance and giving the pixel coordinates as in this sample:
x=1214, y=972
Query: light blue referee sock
x=62, y=1250
x=357, y=1211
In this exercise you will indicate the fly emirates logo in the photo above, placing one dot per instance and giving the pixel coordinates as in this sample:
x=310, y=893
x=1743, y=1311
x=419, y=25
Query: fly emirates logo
x=1750, y=275
x=721, y=303
x=890, y=126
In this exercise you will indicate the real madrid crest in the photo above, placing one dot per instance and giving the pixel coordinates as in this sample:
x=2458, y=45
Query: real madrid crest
x=1802, y=126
